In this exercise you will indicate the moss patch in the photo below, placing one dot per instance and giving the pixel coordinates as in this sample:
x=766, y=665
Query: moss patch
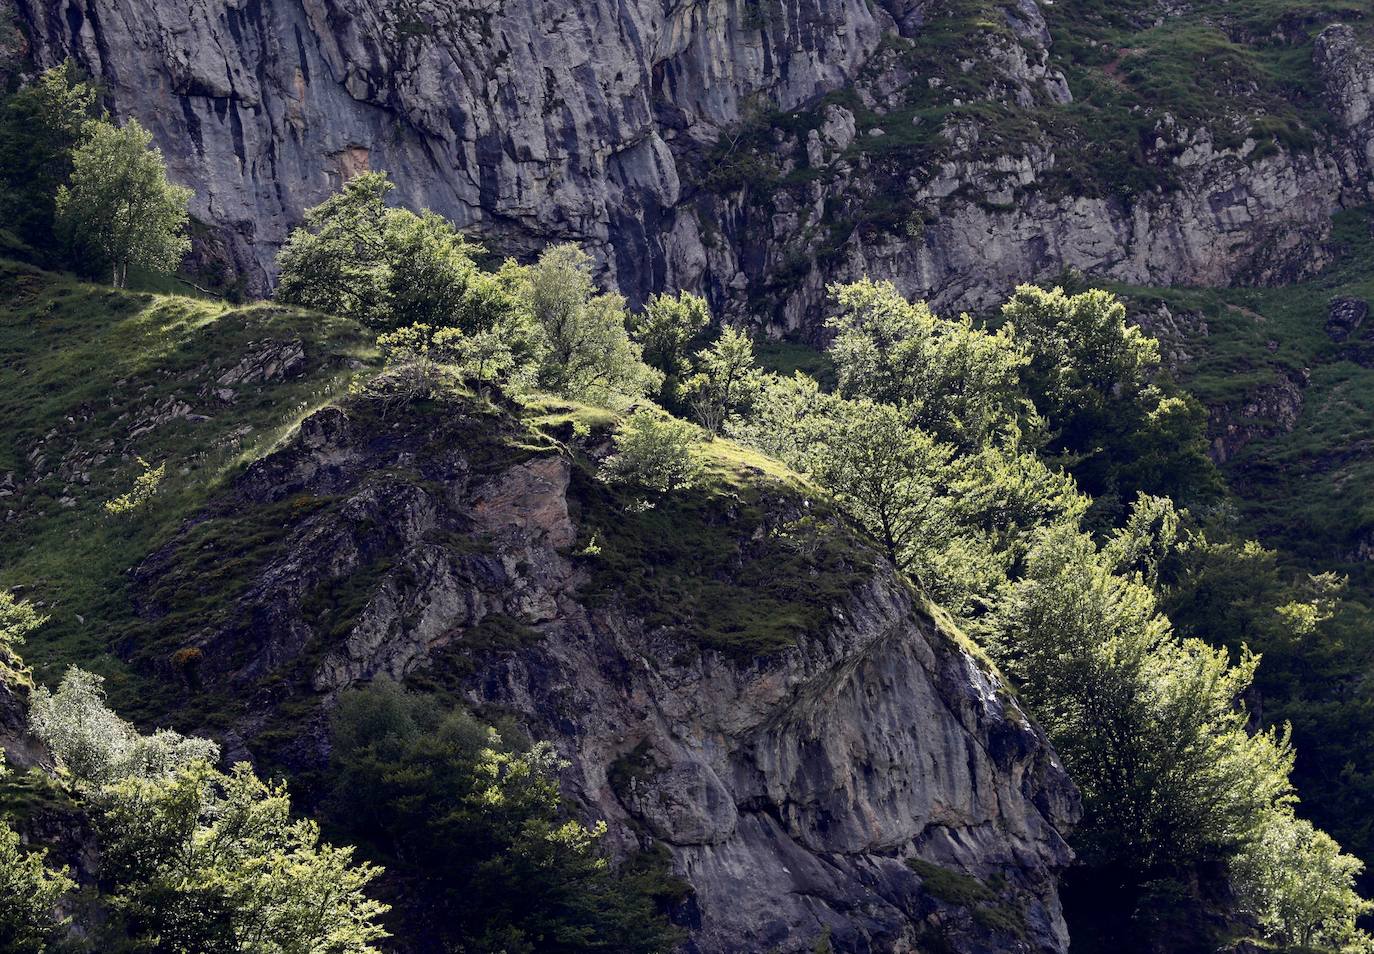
x=715, y=563
x=965, y=891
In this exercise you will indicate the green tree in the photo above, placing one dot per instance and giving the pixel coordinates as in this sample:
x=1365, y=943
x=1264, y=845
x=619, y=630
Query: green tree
x=889, y=476
x=653, y=450
x=1112, y=420
x=40, y=127
x=955, y=381
x=665, y=328
x=481, y=829
x=786, y=419
x=18, y=618
x=95, y=746
x=390, y=268
x=202, y=862
x=118, y=210
x=29, y=892
x=337, y=262
x=726, y=382
x=587, y=352
x=1295, y=881
x=1148, y=725
x=1147, y=544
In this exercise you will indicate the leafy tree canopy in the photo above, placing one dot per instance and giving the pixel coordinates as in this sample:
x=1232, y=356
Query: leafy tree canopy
x=118, y=210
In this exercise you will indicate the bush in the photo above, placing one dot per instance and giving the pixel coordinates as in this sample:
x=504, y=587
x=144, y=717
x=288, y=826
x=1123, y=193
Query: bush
x=91, y=742
x=654, y=451
x=18, y=618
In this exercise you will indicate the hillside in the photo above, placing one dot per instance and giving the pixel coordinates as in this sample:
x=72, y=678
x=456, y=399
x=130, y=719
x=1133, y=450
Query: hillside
x=705, y=657
x=1286, y=374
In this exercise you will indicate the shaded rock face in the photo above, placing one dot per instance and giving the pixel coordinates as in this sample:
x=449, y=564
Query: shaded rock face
x=789, y=789
x=532, y=120
x=1347, y=71
x=538, y=121
x=1268, y=411
x=20, y=747
x=1344, y=317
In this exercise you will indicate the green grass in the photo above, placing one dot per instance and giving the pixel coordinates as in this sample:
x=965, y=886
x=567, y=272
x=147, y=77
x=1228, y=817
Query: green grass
x=730, y=564
x=965, y=891
x=788, y=357
x=1295, y=491
x=85, y=368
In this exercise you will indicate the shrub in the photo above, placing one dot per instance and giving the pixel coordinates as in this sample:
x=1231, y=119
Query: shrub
x=654, y=451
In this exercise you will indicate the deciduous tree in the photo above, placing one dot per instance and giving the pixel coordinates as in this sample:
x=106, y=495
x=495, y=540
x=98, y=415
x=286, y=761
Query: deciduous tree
x=118, y=210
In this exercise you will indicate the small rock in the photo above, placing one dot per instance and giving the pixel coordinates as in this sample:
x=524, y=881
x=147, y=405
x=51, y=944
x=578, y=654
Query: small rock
x=1344, y=316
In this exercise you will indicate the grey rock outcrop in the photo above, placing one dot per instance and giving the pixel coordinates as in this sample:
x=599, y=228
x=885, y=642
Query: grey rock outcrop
x=790, y=788
x=1267, y=411
x=1347, y=71
x=1344, y=317
x=539, y=121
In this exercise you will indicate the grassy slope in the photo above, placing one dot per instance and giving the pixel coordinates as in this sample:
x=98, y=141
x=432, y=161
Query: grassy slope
x=1299, y=490
x=82, y=366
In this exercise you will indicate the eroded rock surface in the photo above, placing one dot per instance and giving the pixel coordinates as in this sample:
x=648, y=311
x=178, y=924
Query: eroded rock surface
x=607, y=124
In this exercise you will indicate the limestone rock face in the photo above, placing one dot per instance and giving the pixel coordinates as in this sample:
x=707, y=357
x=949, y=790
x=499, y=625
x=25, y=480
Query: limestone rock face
x=1347, y=69
x=790, y=788
x=602, y=123
x=532, y=120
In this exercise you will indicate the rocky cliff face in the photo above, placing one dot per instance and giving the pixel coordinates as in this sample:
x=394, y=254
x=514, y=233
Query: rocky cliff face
x=609, y=124
x=791, y=786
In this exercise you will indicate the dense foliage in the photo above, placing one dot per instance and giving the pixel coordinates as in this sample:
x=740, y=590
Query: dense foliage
x=479, y=826
x=413, y=277
x=79, y=190
x=1152, y=727
x=41, y=126
x=192, y=860
x=29, y=893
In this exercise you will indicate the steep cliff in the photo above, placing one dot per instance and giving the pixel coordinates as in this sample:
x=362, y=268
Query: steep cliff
x=761, y=148
x=771, y=703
